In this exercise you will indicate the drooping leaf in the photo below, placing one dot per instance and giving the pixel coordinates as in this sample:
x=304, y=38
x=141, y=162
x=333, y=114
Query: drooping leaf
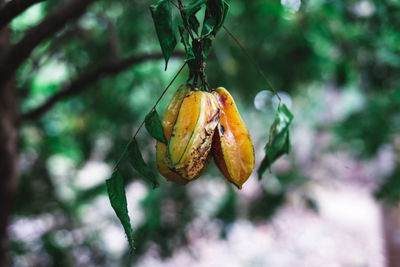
x=269, y=158
x=116, y=193
x=190, y=56
x=214, y=18
x=161, y=13
x=186, y=43
x=208, y=25
x=154, y=126
x=137, y=162
x=194, y=6
x=190, y=13
x=225, y=9
x=279, y=138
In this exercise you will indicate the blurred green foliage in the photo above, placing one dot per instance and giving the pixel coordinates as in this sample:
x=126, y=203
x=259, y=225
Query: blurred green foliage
x=389, y=191
x=336, y=43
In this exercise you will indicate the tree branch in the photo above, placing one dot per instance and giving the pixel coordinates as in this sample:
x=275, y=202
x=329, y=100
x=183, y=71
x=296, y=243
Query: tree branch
x=13, y=58
x=13, y=8
x=113, y=37
x=80, y=84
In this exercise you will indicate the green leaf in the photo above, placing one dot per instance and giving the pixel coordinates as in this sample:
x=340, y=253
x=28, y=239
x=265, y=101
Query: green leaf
x=190, y=13
x=194, y=6
x=214, y=18
x=161, y=13
x=225, y=9
x=194, y=23
x=186, y=43
x=116, y=193
x=279, y=138
x=154, y=126
x=207, y=47
x=138, y=163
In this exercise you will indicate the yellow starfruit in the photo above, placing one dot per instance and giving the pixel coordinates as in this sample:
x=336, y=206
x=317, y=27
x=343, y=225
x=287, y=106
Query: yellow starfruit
x=192, y=134
x=168, y=122
x=232, y=146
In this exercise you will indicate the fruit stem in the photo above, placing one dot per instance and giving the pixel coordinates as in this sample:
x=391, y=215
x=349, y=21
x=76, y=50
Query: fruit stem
x=198, y=42
x=196, y=76
x=204, y=84
x=198, y=71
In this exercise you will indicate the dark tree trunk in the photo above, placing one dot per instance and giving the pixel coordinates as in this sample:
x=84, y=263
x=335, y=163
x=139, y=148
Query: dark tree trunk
x=8, y=152
x=391, y=228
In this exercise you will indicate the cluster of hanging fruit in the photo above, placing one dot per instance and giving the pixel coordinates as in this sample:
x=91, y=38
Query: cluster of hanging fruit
x=198, y=124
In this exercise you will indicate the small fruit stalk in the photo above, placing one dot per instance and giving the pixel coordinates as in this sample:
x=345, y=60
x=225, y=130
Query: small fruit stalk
x=191, y=137
x=232, y=147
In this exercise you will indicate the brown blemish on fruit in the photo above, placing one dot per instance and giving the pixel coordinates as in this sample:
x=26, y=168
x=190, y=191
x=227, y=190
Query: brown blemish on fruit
x=194, y=156
x=223, y=99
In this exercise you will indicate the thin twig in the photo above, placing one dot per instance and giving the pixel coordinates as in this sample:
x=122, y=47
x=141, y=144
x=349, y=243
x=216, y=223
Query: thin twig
x=253, y=62
x=173, y=3
x=13, y=58
x=81, y=83
x=141, y=125
x=169, y=85
x=183, y=15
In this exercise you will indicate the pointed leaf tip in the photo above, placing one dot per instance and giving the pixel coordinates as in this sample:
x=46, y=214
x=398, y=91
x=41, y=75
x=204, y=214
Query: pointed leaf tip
x=161, y=13
x=116, y=193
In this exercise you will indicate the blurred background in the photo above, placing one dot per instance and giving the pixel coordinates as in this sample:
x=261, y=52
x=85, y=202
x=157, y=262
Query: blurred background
x=332, y=202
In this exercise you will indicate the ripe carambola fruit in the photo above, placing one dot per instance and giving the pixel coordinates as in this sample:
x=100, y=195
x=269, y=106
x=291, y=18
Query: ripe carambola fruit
x=168, y=122
x=192, y=134
x=232, y=147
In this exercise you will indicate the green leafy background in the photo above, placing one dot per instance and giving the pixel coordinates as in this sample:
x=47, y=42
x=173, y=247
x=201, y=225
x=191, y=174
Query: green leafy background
x=337, y=65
